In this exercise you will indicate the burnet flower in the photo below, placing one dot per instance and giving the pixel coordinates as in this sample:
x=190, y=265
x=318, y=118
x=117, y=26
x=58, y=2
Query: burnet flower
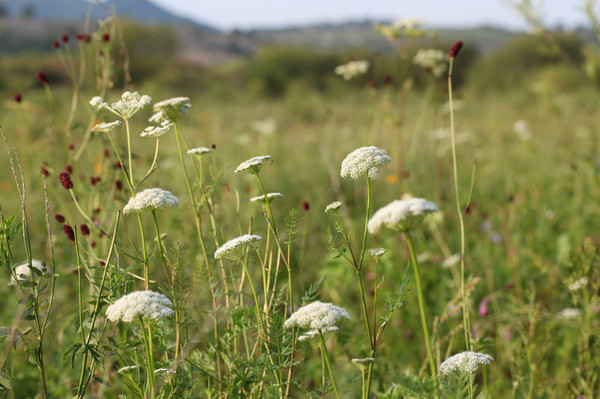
x=263, y=199
x=352, y=69
x=333, y=207
x=199, y=151
x=252, y=165
x=23, y=271
x=106, y=127
x=433, y=60
x=149, y=305
x=363, y=161
x=170, y=110
x=151, y=199
x=129, y=104
x=234, y=249
x=317, y=317
x=401, y=215
x=467, y=362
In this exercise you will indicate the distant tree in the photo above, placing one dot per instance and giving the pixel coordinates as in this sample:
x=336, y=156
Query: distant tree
x=28, y=11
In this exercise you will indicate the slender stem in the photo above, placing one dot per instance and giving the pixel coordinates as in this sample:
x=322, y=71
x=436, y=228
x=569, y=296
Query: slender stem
x=420, y=300
x=326, y=355
x=129, y=163
x=463, y=295
x=149, y=357
x=144, y=252
x=367, y=216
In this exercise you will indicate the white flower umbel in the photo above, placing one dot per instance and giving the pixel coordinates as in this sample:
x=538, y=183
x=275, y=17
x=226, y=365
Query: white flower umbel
x=467, y=362
x=23, y=271
x=579, y=284
x=569, y=313
x=252, y=165
x=313, y=333
x=148, y=305
x=363, y=161
x=352, y=69
x=317, y=316
x=270, y=196
x=377, y=252
x=172, y=108
x=106, y=126
x=401, y=215
x=199, y=151
x=156, y=131
x=234, y=249
x=433, y=60
x=333, y=207
x=151, y=199
x=266, y=126
x=129, y=104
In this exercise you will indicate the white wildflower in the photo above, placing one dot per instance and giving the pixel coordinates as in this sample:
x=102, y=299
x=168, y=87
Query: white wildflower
x=451, y=261
x=270, y=197
x=363, y=161
x=151, y=199
x=377, y=252
x=234, y=249
x=106, y=126
x=172, y=108
x=522, y=130
x=129, y=104
x=165, y=370
x=252, y=165
x=467, y=362
x=579, y=284
x=432, y=60
x=569, y=313
x=266, y=126
x=352, y=69
x=317, y=316
x=401, y=215
x=144, y=304
x=23, y=271
x=199, y=151
x=362, y=364
x=409, y=28
x=333, y=207
x=156, y=131
x=313, y=333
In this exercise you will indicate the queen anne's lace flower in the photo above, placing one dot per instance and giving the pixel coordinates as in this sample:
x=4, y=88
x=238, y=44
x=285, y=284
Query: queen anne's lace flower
x=579, y=284
x=106, y=126
x=270, y=196
x=569, y=313
x=126, y=107
x=464, y=362
x=149, y=200
x=199, y=151
x=234, y=249
x=363, y=161
x=377, y=252
x=252, y=165
x=401, y=215
x=333, y=207
x=352, y=69
x=145, y=304
x=433, y=60
x=313, y=333
x=317, y=316
x=171, y=109
x=23, y=271
x=156, y=131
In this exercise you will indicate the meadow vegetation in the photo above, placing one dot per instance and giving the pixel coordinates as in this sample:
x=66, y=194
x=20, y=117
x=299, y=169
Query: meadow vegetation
x=275, y=297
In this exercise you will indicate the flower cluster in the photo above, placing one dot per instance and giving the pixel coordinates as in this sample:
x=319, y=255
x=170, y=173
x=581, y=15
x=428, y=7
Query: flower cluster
x=151, y=199
x=401, y=215
x=352, y=69
x=106, y=126
x=262, y=199
x=156, y=131
x=363, y=161
x=199, y=151
x=129, y=104
x=252, y=165
x=317, y=317
x=467, y=362
x=170, y=110
x=432, y=60
x=333, y=207
x=23, y=271
x=234, y=249
x=144, y=304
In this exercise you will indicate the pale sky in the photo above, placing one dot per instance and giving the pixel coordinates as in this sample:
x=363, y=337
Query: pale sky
x=244, y=14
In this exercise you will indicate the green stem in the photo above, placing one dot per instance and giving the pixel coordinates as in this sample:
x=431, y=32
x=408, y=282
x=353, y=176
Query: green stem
x=118, y=155
x=366, y=231
x=149, y=357
x=326, y=355
x=129, y=164
x=420, y=300
x=144, y=252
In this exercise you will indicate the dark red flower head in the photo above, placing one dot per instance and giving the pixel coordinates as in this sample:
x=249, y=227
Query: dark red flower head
x=389, y=79
x=44, y=171
x=85, y=230
x=64, y=38
x=118, y=185
x=106, y=154
x=55, y=44
x=455, y=49
x=69, y=232
x=59, y=218
x=42, y=77
x=18, y=97
x=105, y=37
x=71, y=146
x=83, y=37
x=69, y=169
x=65, y=179
x=305, y=205
x=214, y=146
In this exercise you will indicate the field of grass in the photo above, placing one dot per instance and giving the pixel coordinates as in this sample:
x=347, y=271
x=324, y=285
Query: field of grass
x=527, y=168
